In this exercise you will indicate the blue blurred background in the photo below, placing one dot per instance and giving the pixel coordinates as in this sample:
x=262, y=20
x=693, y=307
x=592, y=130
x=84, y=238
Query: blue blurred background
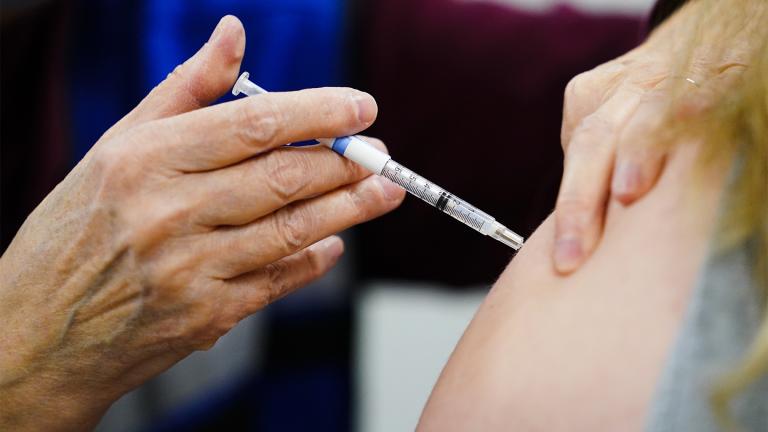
x=360, y=349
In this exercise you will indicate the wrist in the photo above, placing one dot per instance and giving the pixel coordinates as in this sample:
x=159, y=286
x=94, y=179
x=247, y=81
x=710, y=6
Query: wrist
x=41, y=401
x=39, y=388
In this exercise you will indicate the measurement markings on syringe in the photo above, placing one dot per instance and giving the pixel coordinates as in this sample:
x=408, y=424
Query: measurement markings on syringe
x=424, y=191
x=395, y=176
x=465, y=214
x=413, y=183
x=433, y=194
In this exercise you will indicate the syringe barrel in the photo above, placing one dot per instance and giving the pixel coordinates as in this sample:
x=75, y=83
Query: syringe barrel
x=357, y=150
x=378, y=162
x=438, y=197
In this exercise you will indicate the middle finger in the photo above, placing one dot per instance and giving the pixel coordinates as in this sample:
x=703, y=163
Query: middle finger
x=254, y=188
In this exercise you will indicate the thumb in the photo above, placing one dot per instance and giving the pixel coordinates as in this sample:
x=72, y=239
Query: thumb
x=200, y=80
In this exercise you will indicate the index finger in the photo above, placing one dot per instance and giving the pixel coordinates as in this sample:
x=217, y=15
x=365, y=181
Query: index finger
x=586, y=177
x=222, y=135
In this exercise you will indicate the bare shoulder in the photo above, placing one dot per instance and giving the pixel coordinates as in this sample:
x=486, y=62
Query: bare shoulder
x=583, y=352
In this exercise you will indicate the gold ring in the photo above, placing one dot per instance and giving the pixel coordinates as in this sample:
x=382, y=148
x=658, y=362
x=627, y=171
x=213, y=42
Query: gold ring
x=690, y=80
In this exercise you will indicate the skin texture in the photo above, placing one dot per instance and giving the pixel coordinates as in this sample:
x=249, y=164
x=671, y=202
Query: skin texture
x=610, y=119
x=181, y=221
x=581, y=347
x=584, y=352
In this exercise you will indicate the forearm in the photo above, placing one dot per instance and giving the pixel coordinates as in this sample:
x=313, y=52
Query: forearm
x=39, y=386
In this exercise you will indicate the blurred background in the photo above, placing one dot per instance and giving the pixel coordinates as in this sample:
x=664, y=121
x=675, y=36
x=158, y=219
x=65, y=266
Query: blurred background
x=362, y=348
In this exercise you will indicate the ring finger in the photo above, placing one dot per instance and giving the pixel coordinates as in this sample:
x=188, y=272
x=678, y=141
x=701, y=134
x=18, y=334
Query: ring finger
x=233, y=251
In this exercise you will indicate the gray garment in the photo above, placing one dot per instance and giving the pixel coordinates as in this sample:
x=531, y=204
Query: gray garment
x=722, y=320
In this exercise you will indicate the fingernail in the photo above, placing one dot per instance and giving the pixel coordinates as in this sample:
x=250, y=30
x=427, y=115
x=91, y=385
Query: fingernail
x=217, y=31
x=626, y=179
x=568, y=253
x=332, y=247
x=366, y=108
x=391, y=190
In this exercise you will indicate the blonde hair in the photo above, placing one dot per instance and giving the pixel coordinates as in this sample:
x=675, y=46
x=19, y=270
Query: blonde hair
x=723, y=35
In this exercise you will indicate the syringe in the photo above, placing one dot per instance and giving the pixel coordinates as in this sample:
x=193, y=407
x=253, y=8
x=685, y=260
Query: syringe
x=357, y=150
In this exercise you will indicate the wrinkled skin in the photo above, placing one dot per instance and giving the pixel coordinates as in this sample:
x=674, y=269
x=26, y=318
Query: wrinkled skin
x=611, y=120
x=181, y=221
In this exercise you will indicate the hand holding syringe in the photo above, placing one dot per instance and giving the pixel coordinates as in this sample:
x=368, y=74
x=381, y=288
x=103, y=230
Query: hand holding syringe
x=380, y=163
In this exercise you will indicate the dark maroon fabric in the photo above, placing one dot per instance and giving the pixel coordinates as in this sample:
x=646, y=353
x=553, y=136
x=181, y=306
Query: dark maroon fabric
x=470, y=96
x=34, y=136
x=663, y=10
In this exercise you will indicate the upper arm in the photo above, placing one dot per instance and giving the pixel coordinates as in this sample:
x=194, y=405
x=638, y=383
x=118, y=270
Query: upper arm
x=583, y=352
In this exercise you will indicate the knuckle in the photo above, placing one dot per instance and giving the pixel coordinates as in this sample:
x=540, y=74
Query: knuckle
x=220, y=324
x=108, y=158
x=570, y=205
x=350, y=108
x=178, y=215
x=333, y=171
x=570, y=88
x=177, y=344
x=171, y=215
x=172, y=273
x=592, y=133
x=176, y=73
x=117, y=167
x=594, y=124
x=605, y=77
x=357, y=206
x=277, y=282
x=261, y=121
x=313, y=264
x=352, y=171
x=209, y=321
x=693, y=105
x=157, y=219
x=578, y=101
x=594, y=84
x=576, y=86
x=293, y=226
x=337, y=106
x=206, y=344
x=286, y=174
